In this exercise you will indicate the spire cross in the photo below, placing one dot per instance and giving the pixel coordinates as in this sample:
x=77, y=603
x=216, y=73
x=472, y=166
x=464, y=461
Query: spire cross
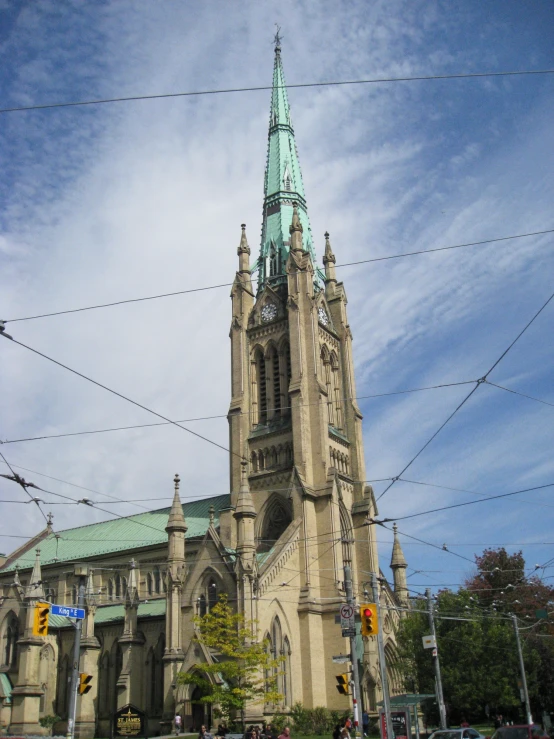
x=277, y=38
x=176, y=480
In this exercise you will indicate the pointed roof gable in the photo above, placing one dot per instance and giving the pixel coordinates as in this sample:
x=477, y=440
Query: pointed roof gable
x=282, y=185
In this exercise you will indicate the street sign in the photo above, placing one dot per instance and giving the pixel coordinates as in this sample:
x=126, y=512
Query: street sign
x=67, y=611
x=342, y=658
x=347, y=620
x=429, y=642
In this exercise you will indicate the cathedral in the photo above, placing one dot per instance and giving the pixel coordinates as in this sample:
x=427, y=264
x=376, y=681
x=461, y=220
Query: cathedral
x=276, y=543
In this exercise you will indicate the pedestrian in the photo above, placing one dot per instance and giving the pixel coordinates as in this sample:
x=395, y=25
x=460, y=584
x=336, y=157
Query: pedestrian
x=365, y=723
x=269, y=733
x=336, y=731
x=177, y=723
x=285, y=734
x=344, y=734
x=204, y=733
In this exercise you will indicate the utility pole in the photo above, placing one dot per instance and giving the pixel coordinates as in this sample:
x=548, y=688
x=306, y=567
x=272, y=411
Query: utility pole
x=522, y=670
x=382, y=663
x=438, y=681
x=81, y=573
x=356, y=693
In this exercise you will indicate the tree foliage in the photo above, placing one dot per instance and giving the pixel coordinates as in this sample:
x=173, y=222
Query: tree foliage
x=478, y=656
x=242, y=669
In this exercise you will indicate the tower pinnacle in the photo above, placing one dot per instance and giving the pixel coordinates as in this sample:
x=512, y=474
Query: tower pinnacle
x=283, y=185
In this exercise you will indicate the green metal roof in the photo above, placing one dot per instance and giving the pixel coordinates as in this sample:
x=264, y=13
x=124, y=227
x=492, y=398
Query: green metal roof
x=283, y=185
x=120, y=534
x=111, y=614
x=5, y=688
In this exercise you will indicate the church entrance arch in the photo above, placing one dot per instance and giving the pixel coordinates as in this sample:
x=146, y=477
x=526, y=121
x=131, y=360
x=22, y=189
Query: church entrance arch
x=201, y=712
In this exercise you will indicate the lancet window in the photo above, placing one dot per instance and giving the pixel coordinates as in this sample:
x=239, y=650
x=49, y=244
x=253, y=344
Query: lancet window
x=278, y=677
x=270, y=383
x=330, y=375
x=345, y=534
x=10, y=635
x=208, y=596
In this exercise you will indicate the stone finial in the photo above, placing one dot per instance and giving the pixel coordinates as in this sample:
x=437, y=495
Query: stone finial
x=397, y=559
x=243, y=247
x=328, y=255
x=212, y=515
x=35, y=591
x=176, y=520
x=295, y=230
x=245, y=504
x=49, y=521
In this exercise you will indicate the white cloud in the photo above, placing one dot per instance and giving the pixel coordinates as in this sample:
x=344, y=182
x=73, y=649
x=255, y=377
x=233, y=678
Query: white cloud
x=138, y=198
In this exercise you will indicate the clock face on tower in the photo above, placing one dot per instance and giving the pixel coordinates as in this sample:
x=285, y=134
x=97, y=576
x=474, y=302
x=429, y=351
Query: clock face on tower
x=323, y=317
x=269, y=311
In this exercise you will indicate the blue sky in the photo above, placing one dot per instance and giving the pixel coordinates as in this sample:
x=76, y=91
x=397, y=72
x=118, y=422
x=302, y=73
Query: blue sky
x=117, y=201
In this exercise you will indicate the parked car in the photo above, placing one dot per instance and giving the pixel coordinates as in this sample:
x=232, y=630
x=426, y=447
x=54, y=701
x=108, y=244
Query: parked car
x=520, y=731
x=461, y=733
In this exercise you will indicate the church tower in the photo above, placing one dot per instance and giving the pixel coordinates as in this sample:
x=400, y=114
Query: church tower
x=293, y=416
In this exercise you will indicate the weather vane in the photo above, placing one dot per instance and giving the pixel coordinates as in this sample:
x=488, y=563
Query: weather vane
x=278, y=38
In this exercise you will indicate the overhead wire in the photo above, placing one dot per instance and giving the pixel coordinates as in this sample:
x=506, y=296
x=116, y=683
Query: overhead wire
x=241, y=413
x=468, y=396
x=120, y=395
x=23, y=484
x=229, y=284
x=258, y=88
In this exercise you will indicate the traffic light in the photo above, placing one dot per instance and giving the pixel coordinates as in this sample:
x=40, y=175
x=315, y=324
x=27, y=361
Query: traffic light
x=84, y=683
x=40, y=621
x=343, y=684
x=370, y=622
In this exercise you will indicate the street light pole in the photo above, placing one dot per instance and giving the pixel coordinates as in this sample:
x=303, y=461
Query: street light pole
x=522, y=670
x=356, y=694
x=438, y=681
x=72, y=708
x=382, y=663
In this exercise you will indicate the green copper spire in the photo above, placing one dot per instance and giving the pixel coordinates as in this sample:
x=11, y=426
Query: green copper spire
x=283, y=185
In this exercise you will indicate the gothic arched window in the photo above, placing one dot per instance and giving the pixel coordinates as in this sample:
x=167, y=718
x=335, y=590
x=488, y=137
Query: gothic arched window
x=202, y=609
x=345, y=534
x=279, y=677
x=110, y=589
x=336, y=388
x=212, y=594
x=157, y=580
x=149, y=584
x=276, y=519
x=261, y=387
x=11, y=636
x=118, y=586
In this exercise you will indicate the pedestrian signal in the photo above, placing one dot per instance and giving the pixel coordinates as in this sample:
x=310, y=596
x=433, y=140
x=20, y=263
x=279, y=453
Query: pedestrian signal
x=40, y=621
x=343, y=684
x=370, y=622
x=84, y=683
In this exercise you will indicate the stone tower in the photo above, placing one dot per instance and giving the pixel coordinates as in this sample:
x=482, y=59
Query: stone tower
x=293, y=415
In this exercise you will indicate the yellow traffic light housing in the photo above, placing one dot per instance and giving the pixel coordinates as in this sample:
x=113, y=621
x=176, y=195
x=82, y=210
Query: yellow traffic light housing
x=84, y=683
x=343, y=684
x=369, y=619
x=40, y=620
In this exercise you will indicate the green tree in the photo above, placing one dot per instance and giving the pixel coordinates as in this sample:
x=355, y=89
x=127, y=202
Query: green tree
x=47, y=722
x=243, y=669
x=476, y=641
